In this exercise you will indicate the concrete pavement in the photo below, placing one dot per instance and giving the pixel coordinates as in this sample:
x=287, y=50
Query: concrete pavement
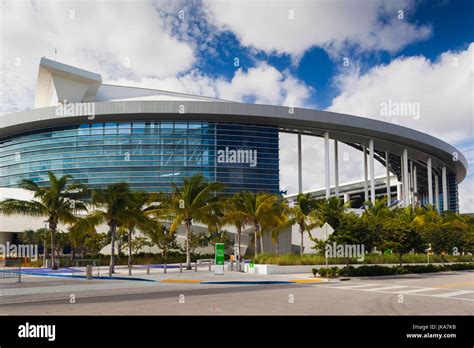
x=237, y=293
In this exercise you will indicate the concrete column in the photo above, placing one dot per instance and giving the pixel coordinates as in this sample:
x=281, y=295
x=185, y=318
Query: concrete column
x=445, y=189
x=430, y=182
x=300, y=169
x=372, y=171
x=366, y=179
x=406, y=184
x=399, y=191
x=347, y=197
x=387, y=177
x=437, y=193
x=336, y=169
x=415, y=187
x=412, y=199
x=326, y=160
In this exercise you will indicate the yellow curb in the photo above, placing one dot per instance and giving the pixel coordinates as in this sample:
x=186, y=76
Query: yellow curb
x=317, y=280
x=181, y=281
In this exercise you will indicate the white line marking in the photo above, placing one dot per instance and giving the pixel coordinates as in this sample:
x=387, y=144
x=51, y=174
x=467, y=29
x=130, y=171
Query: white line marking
x=383, y=288
x=455, y=293
x=357, y=286
x=417, y=290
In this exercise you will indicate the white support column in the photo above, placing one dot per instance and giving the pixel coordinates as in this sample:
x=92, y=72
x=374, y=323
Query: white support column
x=387, y=174
x=336, y=169
x=300, y=170
x=445, y=189
x=347, y=197
x=430, y=182
x=437, y=193
x=415, y=187
x=399, y=191
x=326, y=160
x=372, y=171
x=412, y=199
x=406, y=184
x=366, y=178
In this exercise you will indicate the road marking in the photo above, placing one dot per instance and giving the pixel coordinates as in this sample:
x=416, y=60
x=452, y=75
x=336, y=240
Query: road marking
x=317, y=280
x=181, y=281
x=455, y=293
x=453, y=285
x=383, y=288
x=416, y=290
x=356, y=287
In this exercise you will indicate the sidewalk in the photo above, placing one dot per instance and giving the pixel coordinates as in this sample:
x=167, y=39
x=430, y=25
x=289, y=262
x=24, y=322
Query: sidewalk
x=72, y=280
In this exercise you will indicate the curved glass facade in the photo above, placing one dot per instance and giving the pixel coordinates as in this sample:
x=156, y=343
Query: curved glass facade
x=147, y=155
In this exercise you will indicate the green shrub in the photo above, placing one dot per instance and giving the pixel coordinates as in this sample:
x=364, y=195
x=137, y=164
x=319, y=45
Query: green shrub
x=459, y=267
x=316, y=259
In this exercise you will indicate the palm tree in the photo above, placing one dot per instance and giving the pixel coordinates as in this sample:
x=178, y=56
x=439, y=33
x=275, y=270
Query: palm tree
x=192, y=202
x=256, y=209
x=139, y=202
x=59, y=202
x=374, y=216
x=161, y=237
x=235, y=216
x=302, y=213
x=330, y=210
x=111, y=207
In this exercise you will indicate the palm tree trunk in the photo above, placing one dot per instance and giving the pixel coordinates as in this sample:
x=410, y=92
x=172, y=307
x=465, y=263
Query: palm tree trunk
x=261, y=242
x=113, y=228
x=44, y=253
x=52, y=229
x=255, y=230
x=277, y=247
x=239, y=231
x=188, y=252
x=302, y=243
x=130, y=231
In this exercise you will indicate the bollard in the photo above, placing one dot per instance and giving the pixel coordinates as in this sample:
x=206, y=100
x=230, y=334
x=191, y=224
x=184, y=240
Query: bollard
x=19, y=273
x=180, y=267
x=164, y=269
x=148, y=269
x=210, y=264
x=89, y=272
x=195, y=266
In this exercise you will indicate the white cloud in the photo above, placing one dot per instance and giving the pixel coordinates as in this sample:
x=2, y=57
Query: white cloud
x=125, y=39
x=262, y=84
x=443, y=89
x=332, y=25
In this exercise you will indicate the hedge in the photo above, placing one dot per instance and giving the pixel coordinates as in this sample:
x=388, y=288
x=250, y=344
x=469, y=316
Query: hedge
x=375, y=270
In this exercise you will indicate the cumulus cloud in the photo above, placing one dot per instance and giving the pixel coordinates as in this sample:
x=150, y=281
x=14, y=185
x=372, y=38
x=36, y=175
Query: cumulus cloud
x=262, y=84
x=443, y=90
x=126, y=39
x=292, y=27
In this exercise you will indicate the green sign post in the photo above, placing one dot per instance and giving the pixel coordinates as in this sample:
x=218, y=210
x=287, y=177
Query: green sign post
x=220, y=253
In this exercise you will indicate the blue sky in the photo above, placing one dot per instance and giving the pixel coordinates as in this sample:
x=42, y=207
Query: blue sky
x=289, y=53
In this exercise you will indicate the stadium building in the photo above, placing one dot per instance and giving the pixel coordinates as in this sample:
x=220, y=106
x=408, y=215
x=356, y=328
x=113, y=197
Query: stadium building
x=102, y=134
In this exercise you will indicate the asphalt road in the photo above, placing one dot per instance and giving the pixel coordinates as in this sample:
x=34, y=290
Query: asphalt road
x=424, y=294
